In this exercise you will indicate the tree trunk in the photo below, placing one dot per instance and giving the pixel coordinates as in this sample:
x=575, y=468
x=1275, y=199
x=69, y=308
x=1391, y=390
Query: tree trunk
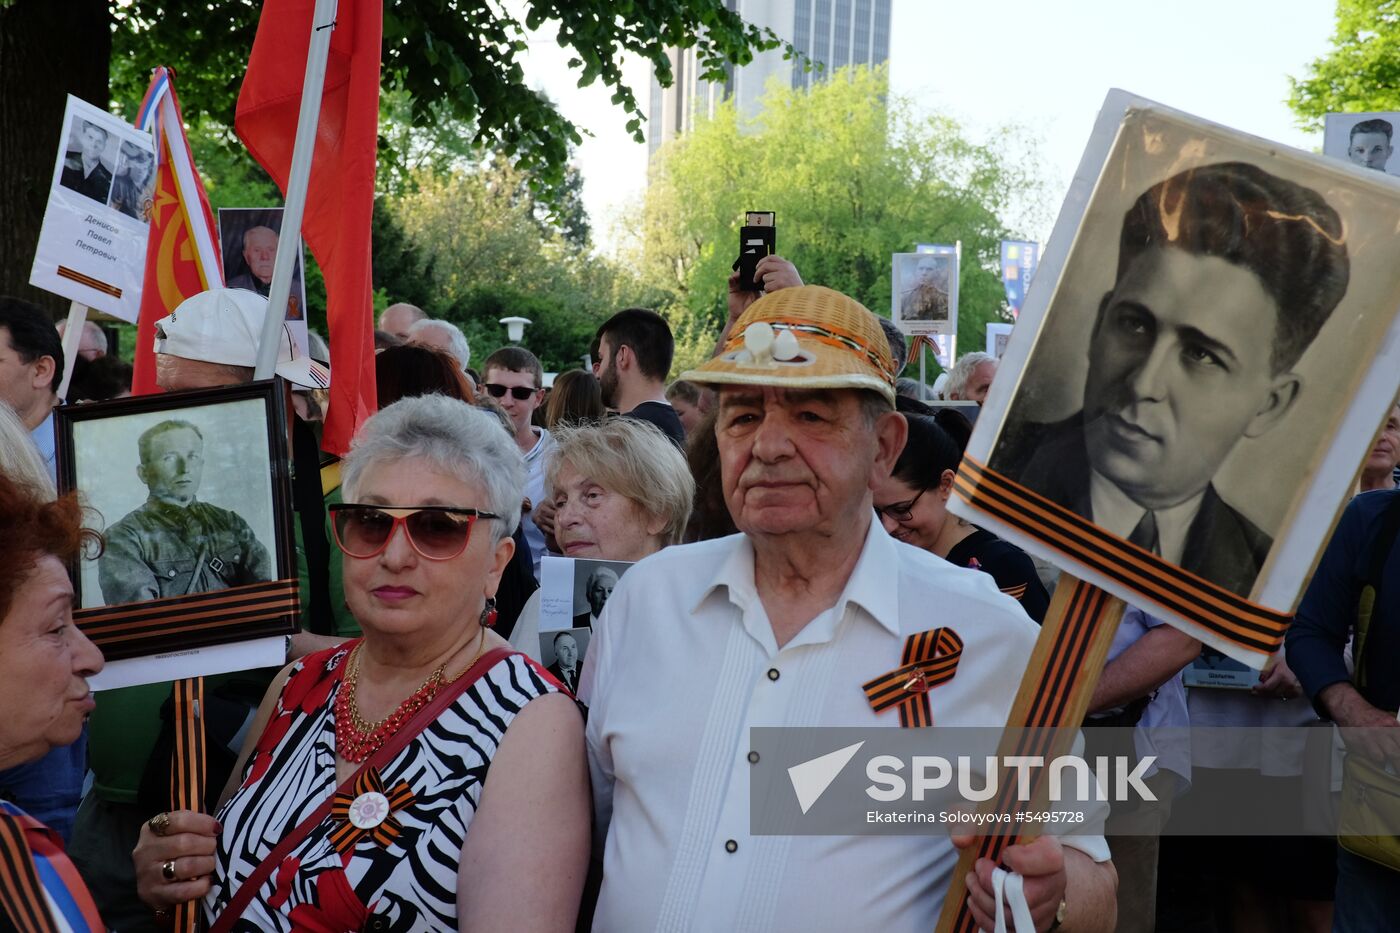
x=48, y=49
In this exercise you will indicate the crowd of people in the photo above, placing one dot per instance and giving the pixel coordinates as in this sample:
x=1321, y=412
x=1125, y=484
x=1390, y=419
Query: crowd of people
x=417, y=766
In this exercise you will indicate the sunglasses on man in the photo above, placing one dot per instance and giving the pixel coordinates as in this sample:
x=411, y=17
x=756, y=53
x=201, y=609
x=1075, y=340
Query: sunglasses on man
x=519, y=393
x=436, y=532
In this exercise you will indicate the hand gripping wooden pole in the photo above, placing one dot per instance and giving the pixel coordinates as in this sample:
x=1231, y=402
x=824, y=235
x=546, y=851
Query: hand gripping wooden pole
x=1055, y=691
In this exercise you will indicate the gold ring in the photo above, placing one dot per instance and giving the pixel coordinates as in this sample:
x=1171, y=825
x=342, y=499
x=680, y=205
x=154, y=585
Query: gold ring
x=160, y=823
x=167, y=869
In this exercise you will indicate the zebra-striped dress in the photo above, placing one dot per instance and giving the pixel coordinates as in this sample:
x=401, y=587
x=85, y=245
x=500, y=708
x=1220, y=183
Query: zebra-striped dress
x=400, y=874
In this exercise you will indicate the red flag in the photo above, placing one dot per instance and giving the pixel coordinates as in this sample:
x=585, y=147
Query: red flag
x=182, y=257
x=340, y=198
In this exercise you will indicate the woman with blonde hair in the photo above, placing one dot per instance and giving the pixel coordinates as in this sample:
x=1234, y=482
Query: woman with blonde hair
x=621, y=491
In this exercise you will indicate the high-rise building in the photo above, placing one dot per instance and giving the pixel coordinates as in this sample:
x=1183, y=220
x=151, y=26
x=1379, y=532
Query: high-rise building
x=834, y=32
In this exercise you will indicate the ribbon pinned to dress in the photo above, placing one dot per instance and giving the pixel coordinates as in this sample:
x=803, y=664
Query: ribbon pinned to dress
x=368, y=810
x=930, y=658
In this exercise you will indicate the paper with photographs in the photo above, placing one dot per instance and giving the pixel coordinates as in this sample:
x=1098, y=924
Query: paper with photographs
x=573, y=591
x=189, y=491
x=1363, y=139
x=248, y=239
x=924, y=291
x=92, y=244
x=1188, y=393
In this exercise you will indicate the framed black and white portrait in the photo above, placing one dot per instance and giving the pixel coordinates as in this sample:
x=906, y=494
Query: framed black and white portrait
x=924, y=292
x=191, y=494
x=1185, y=401
x=1363, y=139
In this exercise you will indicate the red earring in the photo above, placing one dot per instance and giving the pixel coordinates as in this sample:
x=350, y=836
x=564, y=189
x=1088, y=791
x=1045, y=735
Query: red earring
x=489, y=613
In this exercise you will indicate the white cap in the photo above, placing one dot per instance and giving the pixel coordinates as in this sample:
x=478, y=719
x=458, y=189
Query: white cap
x=224, y=325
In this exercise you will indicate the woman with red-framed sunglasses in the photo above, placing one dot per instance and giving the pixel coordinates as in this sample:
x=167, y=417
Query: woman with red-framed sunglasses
x=406, y=776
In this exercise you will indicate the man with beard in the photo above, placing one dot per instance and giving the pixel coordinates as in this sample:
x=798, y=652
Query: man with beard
x=635, y=348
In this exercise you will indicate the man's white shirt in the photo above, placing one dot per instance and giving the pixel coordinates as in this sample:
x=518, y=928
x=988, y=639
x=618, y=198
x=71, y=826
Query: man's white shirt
x=683, y=663
x=536, y=461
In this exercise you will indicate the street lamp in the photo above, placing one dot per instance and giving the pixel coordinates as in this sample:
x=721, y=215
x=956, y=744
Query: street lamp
x=515, y=327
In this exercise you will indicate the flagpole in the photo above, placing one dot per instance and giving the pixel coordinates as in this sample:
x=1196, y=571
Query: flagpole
x=288, y=241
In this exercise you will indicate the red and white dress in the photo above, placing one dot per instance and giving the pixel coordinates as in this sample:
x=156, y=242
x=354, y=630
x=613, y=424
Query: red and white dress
x=386, y=858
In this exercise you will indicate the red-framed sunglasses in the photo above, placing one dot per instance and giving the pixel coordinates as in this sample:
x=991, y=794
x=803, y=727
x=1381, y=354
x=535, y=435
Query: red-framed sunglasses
x=436, y=532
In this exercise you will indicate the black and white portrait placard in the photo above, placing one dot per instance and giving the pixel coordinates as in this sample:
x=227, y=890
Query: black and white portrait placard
x=561, y=653
x=573, y=591
x=189, y=491
x=924, y=292
x=248, y=238
x=1179, y=416
x=1363, y=139
x=92, y=245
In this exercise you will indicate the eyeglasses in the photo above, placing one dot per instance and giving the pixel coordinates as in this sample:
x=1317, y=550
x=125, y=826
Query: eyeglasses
x=436, y=532
x=900, y=511
x=519, y=393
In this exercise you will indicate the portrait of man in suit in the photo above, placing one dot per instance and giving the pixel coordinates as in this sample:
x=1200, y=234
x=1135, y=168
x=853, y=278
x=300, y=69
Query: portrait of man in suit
x=1225, y=275
x=597, y=590
x=566, y=660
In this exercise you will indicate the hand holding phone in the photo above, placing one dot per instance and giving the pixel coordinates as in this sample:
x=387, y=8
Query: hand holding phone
x=757, y=238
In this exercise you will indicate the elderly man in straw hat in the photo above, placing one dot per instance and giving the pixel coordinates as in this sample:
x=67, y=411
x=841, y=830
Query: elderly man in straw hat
x=786, y=624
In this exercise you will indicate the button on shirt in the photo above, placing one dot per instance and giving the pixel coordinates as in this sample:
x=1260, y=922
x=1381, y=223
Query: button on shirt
x=683, y=663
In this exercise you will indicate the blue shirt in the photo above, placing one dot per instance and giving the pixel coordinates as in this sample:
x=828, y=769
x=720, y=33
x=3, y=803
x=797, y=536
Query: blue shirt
x=1327, y=614
x=44, y=440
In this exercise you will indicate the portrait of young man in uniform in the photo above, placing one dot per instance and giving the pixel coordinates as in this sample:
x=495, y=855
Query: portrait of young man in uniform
x=1225, y=275
x=924, y=296
x=173, y=544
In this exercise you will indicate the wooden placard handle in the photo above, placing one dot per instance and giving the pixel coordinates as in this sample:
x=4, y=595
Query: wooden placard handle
x=1055, y=691
x=188, y=775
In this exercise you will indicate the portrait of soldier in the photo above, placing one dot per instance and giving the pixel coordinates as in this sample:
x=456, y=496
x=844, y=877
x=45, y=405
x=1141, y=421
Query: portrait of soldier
x=601, y=583
x=83, y=170
x=1369, y=143
x=927, y=298
x=174, y=544
x=1225, y=275
x=131, y=189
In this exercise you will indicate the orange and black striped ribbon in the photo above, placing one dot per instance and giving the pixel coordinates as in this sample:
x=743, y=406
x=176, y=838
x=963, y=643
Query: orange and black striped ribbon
x=84, y=279
x=345, y=836
x=188, y=772
x=21, y=894
x=1016, y=592
x=930, y=658
x=1053, y=689
x=249, y=611
x=1219, y=611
